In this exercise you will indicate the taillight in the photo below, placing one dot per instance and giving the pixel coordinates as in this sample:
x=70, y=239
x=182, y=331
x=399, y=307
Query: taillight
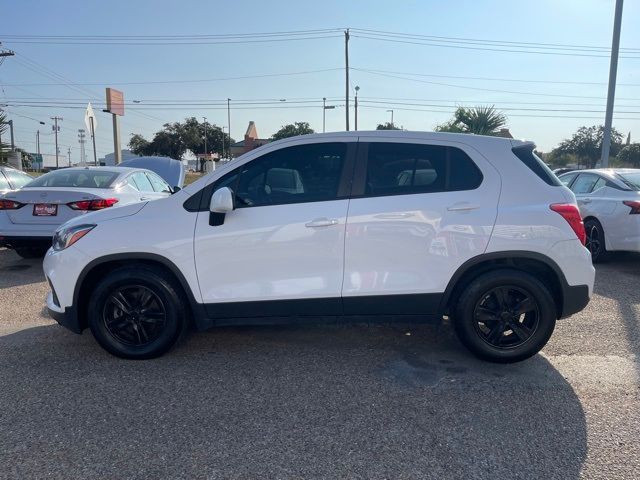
x=10, y=205
x=635, y=206
x=97, y=204
x=571, y=214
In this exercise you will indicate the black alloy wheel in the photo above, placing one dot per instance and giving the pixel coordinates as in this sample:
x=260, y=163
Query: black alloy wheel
x=134, y=315
x=595, y=240
x=506, y=317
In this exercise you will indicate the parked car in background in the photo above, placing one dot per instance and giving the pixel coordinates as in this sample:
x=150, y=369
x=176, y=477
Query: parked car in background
x=560, y=171
x=609, y=201
x=30, y=216
x=12, y=179
x=344, y=224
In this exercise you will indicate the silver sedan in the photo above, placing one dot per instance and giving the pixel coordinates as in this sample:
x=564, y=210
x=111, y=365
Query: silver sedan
x=30, y=216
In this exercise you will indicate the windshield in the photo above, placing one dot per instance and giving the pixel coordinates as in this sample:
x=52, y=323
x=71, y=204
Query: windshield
x=631, y=179
x=75, y=179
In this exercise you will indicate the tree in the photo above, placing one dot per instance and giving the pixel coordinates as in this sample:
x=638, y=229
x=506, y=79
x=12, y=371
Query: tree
x=586, y=144
x=630, y=154
x=292, y=130
x=482, y=120
x=176, y=139
x=386, y=126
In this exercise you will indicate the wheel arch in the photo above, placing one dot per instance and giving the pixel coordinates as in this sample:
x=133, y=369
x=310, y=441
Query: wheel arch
x=96, y=269
x=543, y=267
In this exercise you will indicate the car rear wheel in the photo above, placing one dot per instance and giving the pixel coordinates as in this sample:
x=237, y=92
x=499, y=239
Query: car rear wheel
x=505, y=316
x=137, y=312
x=32, y=252
x=595, y=240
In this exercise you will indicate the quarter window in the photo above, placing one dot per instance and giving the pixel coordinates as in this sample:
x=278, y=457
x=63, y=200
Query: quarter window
x=401, y=168
x=158, y=184
x=4, y=184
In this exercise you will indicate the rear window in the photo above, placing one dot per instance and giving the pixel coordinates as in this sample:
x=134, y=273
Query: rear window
x=536, y=165
x=75, y=179
x=631, y=180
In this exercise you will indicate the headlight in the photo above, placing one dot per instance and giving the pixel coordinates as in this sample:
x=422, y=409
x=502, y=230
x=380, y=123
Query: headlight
x=66, y=237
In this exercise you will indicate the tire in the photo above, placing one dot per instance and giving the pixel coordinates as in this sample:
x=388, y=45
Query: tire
x=31, y=252
x=487, y=326
x=596, y=241
x=137, y=312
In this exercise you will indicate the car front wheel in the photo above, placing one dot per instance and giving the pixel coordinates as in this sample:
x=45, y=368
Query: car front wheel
x=505, y=316
x=137, y=312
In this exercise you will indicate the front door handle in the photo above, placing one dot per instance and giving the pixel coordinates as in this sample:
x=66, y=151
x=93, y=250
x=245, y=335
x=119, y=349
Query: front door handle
x=462, y=207
x=144, y=199
x=321, y=222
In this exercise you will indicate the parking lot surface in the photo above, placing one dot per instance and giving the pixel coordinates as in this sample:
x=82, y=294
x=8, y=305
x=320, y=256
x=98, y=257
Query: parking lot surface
x=320, y=402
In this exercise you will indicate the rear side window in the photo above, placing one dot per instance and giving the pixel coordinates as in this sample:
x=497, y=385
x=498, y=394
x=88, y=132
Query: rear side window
x=402, y=169
x=536, y=165
x=567, y=178
x=158, y=184
x=142, y=182
x=18, y=179
x=4, y=185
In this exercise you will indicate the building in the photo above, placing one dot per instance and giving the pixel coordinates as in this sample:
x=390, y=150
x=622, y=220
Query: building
x=250, y=142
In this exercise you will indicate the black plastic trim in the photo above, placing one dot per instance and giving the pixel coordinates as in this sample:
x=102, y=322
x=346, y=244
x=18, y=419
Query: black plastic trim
x=68, y=319
x=19, y=242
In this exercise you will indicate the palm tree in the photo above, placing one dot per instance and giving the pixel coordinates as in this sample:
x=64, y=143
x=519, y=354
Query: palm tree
x=482, y=120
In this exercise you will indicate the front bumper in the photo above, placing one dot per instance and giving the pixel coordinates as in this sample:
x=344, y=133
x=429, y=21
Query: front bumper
x=67, y=317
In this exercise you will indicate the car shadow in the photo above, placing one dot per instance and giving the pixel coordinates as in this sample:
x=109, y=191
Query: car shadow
x=284, y=402
x=16, y=271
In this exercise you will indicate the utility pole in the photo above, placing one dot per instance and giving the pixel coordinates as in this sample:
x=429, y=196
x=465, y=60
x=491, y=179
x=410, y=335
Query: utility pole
x=69, y=155
x=13, y=144
x=392, y=124
x=55, y=130
x=38, y=141
x=355, y=123
x=224, y=143
x=346, y=79
x=613, y=71
x=324, y=111
x=229, y=125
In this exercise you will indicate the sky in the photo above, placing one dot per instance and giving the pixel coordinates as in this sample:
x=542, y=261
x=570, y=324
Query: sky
x=546, y=95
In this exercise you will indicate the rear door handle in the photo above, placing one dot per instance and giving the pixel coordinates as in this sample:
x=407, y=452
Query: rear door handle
x=321, y=222
x=585, y=200
x=462, y=207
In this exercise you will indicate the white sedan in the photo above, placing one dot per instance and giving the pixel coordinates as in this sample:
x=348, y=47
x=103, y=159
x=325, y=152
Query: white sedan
x=609, y=201
x=30, y=216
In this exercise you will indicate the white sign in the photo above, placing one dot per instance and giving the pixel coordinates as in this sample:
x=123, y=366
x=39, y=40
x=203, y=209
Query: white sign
x=88, y=115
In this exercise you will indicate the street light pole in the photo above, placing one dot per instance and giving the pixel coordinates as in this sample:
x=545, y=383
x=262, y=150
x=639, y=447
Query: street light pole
x=55, y=131
x=613, y=71
x=324, y=113
x=346, y=71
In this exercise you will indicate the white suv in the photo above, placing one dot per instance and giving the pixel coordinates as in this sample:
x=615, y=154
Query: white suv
x=335, y=225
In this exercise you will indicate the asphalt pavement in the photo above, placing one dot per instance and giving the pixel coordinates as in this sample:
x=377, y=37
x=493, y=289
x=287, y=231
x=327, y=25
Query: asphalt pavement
x=368, y=402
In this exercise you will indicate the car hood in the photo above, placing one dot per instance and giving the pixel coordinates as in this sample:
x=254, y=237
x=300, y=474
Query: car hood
x=171, y=170
x=105, y=215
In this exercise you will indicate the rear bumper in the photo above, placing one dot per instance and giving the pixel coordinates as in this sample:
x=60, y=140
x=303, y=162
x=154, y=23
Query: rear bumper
x=11, y=241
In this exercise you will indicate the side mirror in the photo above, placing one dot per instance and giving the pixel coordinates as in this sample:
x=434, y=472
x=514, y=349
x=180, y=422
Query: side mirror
x=221, y=201
x=175, y=189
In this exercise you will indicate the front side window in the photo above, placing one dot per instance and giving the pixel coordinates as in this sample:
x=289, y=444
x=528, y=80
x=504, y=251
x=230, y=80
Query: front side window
x=584, y=183
x=401, y=169
x=158, y=184
x=304, y=173
x=142, y=182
